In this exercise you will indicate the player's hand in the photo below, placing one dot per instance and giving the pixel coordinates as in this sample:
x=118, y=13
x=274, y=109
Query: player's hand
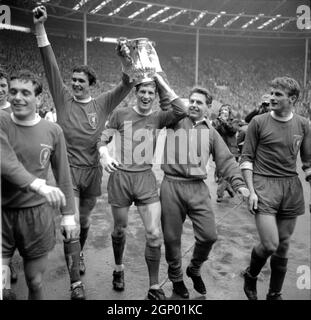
x=124, y=52
x=109, y=164
x=253, y=202
x=69, y=228
x=39, y=14
x=53, y=195
x=244, y=193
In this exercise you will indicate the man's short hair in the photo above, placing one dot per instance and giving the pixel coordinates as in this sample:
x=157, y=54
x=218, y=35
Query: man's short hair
x=288, y=84
x=27, y=75
x=90, y=72
x=205, y=92
x=147, y=83
x=4, y=75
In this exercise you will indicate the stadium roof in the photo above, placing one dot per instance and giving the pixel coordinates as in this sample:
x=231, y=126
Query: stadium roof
x=260, y=19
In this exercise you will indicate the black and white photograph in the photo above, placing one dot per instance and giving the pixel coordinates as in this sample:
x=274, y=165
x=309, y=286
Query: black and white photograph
x=155, y=150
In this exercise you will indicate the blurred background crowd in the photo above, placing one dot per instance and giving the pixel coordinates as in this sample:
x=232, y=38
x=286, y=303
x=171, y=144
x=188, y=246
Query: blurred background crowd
x=233, y=75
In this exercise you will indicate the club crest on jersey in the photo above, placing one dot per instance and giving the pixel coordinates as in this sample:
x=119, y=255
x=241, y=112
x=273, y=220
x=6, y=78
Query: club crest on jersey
x=296, y=143
x=44, y=157
x=93, y=120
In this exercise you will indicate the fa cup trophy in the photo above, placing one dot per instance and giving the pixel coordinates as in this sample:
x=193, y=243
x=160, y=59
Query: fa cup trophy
x=140, y=61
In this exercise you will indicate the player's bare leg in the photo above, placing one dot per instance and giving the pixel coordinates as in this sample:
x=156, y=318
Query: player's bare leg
x=118, y=236
x=34, y=270
x=86, y=205
x=72, y=251
x=278, y=261
x=151, y=216
x=269, y=241
x=7, y=293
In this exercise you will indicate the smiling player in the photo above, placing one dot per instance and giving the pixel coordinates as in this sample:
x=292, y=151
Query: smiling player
x=27, y=219
x=82, y=119
x=273, y=141
x=132, y=180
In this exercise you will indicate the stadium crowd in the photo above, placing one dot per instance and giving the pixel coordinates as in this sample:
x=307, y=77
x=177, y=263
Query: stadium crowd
x=76, y=149
x=232, y=75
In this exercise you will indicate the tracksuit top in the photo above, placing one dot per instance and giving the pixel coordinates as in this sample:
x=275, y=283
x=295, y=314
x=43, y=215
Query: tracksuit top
x=82, y=123
x=188, y=148
x=36, y=147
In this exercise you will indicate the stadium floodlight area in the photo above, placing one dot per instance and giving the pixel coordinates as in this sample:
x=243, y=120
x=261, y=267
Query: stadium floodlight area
x=198, y=18
x=282, y=25
x=215, y=19
x=100, y=6
x=14, y=28
x=157, y=13
x=246, y=25
x=80, y=4
x=141, y=10
x=117, y=10
x=163, y=17
x=229, y=23
x=103, y=39
x=268, y=22
x=178, y=13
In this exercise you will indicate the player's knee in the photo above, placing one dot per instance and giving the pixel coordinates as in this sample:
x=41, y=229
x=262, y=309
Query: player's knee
x=118, y=231
x=283, y=247
x=211, y=239
x=35, y=282
x=270, y=247
x=153, y=237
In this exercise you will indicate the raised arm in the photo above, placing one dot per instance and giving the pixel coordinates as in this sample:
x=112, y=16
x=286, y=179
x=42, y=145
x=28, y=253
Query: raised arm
x=167, y=96
x=56, y=85
x=108, y=101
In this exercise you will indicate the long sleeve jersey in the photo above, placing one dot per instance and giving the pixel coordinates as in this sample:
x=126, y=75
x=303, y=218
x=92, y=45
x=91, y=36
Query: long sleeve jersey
x=136, y=134
x=271, y=146
x=37, y=147
x=11, y=168
x=82, y=123
x=188, y=148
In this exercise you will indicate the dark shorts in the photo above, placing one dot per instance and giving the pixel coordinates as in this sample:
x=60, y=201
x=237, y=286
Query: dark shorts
x=282, y=197
x=87, y=181
x=30, y=230
x=126, y=187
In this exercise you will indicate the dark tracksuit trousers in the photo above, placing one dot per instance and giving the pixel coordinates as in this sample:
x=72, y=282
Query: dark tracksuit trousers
x=181, y=197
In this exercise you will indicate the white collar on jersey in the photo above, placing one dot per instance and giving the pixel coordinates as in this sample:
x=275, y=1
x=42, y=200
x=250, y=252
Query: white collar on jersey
x=282, y=119
x=86, y=100
x=7, y=105
x=142, y=114
x=27, y=123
